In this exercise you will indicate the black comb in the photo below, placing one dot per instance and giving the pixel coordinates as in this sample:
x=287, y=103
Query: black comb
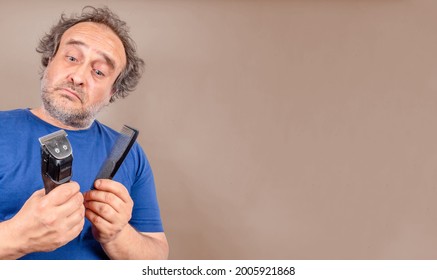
x=118, y=153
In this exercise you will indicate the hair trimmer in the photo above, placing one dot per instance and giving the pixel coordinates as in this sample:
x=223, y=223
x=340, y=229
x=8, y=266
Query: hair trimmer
x=56, y=159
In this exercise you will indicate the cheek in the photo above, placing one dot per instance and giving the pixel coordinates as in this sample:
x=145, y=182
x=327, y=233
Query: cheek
x=100, y=94
x=46, y=81
x=50, y=74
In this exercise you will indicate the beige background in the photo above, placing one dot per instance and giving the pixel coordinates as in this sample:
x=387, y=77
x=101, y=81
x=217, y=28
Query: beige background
x=276, y=129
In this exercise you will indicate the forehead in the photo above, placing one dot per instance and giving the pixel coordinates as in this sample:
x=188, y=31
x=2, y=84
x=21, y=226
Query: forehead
x=97, y=38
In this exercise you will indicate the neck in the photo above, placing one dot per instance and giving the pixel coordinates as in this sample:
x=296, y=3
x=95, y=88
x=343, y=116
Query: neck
x=42, y=113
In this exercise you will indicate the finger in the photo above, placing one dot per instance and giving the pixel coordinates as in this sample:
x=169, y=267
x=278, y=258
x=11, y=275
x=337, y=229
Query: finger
x=62, y=193
x=76, y=229
x=105, y=197
x=97, y=220
x=105, y=211
x=39, y=193
x=76, y=218
x=69, y=207
x=113, y=187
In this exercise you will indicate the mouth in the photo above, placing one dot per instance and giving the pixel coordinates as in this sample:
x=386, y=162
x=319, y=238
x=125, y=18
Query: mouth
x=72, y=93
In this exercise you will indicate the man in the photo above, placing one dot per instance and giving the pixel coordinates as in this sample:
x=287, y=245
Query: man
x=88, y=61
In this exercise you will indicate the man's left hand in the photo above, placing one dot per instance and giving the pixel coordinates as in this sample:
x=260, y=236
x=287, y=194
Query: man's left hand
x=108, y=208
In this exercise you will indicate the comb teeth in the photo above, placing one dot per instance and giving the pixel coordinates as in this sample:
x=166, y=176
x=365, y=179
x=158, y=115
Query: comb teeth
x=129, y=131
x=119, y=146
x=119, y=151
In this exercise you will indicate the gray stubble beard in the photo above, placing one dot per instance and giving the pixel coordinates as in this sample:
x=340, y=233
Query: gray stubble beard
x=79, y=118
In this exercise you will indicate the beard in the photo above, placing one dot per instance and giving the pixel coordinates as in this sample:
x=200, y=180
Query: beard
x=64, y=109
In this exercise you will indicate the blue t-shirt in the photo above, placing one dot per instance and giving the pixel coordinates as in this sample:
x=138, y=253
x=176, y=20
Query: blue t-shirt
x=20, y=176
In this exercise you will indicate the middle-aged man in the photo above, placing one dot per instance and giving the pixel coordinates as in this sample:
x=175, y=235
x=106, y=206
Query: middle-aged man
x=88, y=61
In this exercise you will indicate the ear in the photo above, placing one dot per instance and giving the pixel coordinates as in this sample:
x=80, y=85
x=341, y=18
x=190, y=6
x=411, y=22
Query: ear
x=112, y=96
x=113, y=92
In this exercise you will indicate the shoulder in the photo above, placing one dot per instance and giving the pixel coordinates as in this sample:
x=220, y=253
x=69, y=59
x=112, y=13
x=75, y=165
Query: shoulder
x=13, y=114
x=136, y=167
x=110, y=133
x=14, y=119
x=104, y=130
x=111, y=136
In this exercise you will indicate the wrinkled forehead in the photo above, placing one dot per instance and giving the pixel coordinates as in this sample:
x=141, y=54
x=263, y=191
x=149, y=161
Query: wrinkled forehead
x=97, y=38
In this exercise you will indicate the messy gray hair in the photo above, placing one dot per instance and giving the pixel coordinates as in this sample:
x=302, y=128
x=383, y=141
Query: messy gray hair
x=129, y=76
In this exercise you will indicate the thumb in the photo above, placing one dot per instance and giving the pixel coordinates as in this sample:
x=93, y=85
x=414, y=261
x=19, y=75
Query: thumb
x=39, y=193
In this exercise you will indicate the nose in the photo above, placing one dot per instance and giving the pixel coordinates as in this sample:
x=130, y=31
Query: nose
x=78, y=75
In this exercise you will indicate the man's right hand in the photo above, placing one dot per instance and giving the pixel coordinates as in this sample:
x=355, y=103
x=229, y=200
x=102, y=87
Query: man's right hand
x=44, y=223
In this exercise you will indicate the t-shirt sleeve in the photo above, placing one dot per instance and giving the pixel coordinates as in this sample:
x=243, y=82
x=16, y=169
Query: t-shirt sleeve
x=145, y=214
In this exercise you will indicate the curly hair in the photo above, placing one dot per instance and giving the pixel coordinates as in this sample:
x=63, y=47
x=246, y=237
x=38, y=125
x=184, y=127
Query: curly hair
x=129, y=76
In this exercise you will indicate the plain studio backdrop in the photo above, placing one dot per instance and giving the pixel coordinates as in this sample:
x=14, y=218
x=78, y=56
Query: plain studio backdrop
x=301, y=129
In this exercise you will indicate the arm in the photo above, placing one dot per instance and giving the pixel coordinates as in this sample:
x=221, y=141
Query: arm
x=132, y=244
x=44, y=223
x=109, y=209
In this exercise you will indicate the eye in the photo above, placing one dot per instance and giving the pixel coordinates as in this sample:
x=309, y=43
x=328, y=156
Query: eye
x=71, y=58
x=99, y=73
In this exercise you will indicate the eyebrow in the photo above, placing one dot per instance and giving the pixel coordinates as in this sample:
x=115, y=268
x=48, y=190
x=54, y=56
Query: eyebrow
x=104, y=55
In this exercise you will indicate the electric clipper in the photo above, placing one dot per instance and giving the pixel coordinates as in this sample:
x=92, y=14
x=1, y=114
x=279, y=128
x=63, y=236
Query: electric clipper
x=56, y=159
